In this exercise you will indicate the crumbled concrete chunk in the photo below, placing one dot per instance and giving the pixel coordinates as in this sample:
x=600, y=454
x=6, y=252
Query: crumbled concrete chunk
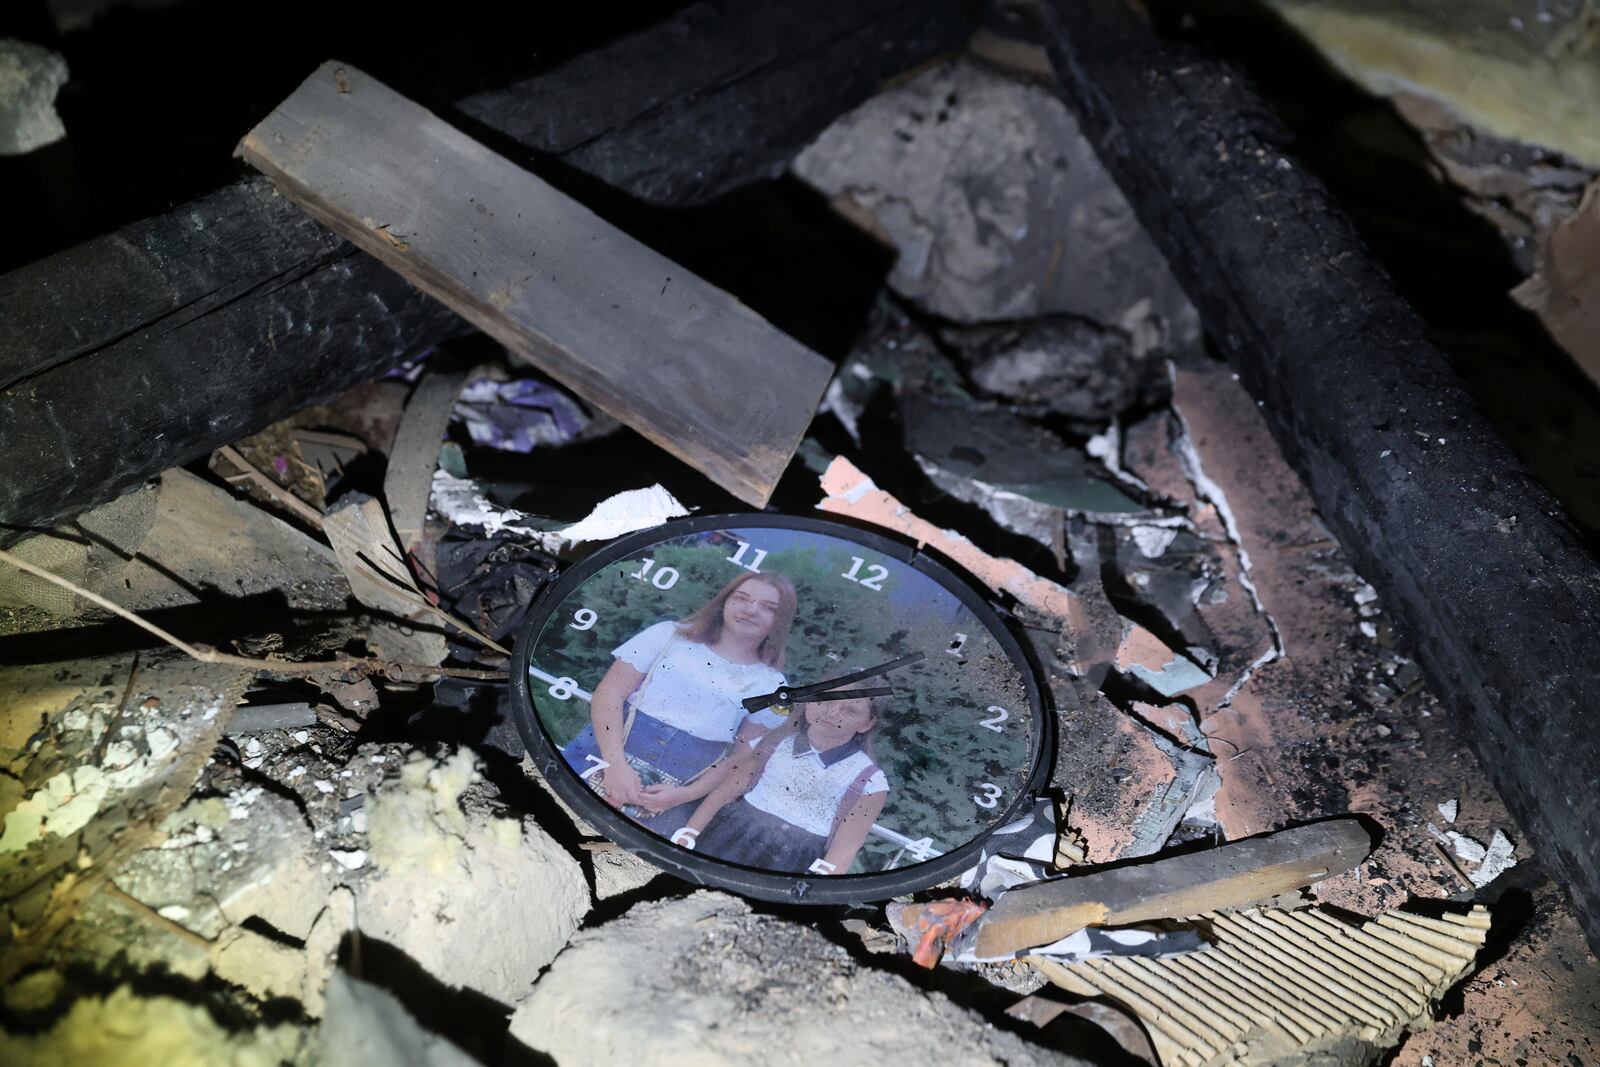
x=30, y=77
x=705, y=981
x=484, y=902
x=364, y=1024
x=127, y=1030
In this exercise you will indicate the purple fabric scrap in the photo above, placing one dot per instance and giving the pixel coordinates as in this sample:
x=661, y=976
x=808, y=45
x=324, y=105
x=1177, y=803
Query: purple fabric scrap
x=518, y=416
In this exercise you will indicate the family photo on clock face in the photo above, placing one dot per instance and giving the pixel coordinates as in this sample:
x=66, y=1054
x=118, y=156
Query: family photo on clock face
x=640, y=677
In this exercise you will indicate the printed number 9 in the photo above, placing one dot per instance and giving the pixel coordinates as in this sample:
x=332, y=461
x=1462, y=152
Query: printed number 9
x=585, y=619
x=991, y=795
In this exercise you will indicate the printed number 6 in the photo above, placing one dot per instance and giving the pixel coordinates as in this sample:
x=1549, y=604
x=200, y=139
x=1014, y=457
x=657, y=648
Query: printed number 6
x=991, y=795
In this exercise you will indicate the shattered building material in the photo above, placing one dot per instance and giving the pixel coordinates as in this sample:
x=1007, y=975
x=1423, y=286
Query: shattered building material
x=1523, y=72
x=1282, y=987
x=728, y=986
x=636, y=334
x=1232, y=875
x=30, y=77
x=946, y=169
x=164, y=545
x=445, y=883
x=367, y=1024
x=1339, y=362
x=358, y=529
x=123, y=742
x=1565, y=293
x=414, y=456
x=128, y=1029
x=116, y=325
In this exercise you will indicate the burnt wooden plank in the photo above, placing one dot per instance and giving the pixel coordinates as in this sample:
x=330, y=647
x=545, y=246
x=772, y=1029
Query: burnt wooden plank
x=746, y=86
x=638, y=335
x=104, y=383
x=1497, y=588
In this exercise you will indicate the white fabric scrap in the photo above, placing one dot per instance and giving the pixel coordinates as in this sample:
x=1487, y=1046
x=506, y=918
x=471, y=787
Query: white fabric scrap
x=459, y=501
x=627, y=512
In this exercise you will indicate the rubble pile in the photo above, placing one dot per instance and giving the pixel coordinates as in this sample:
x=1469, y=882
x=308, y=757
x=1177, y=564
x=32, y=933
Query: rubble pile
x=264, y=802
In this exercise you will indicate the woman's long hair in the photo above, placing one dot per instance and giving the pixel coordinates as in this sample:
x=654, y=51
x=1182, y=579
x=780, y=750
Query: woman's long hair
x=705, y=625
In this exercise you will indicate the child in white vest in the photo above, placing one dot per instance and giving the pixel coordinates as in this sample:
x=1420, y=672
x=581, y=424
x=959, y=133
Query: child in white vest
x=801, y=800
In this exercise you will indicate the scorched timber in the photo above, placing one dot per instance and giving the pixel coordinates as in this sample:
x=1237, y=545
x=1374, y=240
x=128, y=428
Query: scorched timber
x=666, y=352
x=151, y=346
x=1497, y=589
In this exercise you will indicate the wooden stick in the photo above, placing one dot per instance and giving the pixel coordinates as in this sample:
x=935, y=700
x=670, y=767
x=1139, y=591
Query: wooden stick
x=272, y=488
x=1232, y=875
x=211, y=655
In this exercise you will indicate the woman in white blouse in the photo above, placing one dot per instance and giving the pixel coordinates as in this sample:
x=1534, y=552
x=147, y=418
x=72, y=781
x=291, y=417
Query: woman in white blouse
x=669, y=706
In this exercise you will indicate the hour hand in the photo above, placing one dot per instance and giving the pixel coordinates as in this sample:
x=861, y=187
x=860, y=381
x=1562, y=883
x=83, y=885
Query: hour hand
x=789, y=694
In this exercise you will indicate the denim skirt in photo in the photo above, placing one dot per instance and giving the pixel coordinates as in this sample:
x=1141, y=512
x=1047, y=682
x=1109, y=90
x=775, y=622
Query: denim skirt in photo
x=659, y=753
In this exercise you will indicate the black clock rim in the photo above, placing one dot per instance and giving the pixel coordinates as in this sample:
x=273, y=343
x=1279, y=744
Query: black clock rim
x=711, y=872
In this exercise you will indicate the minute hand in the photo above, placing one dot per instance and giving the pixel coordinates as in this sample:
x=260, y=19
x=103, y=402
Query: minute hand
x=788, y=694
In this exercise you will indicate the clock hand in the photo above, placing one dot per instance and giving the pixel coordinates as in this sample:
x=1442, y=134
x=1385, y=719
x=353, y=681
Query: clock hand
x=789, y=694
x=846, y=694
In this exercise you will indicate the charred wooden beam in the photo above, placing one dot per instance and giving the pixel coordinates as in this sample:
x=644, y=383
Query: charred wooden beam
x=151, y=346
x=1500, y=594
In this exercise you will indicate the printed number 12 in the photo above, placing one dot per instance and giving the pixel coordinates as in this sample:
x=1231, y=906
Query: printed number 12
x=876, y=573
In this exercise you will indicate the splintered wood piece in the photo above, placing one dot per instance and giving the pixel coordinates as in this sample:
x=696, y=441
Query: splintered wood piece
x=1235, y=874
x=667, y=353
x=373, y=562
x=1282, y=986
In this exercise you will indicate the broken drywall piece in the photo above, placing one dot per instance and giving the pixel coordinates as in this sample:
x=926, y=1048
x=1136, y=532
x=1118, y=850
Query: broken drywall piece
x=1448, y=810
x=459, y=501
x=1280, y=987
x=160, y=546
x=1491, y=861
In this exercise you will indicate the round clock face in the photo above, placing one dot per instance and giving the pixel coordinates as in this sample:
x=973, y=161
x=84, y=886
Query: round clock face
x=788, y=707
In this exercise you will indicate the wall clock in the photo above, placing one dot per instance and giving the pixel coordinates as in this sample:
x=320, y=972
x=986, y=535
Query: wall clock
x=791, y=708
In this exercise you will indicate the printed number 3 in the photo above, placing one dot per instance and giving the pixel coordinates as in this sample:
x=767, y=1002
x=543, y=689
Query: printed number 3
x=991, y=795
